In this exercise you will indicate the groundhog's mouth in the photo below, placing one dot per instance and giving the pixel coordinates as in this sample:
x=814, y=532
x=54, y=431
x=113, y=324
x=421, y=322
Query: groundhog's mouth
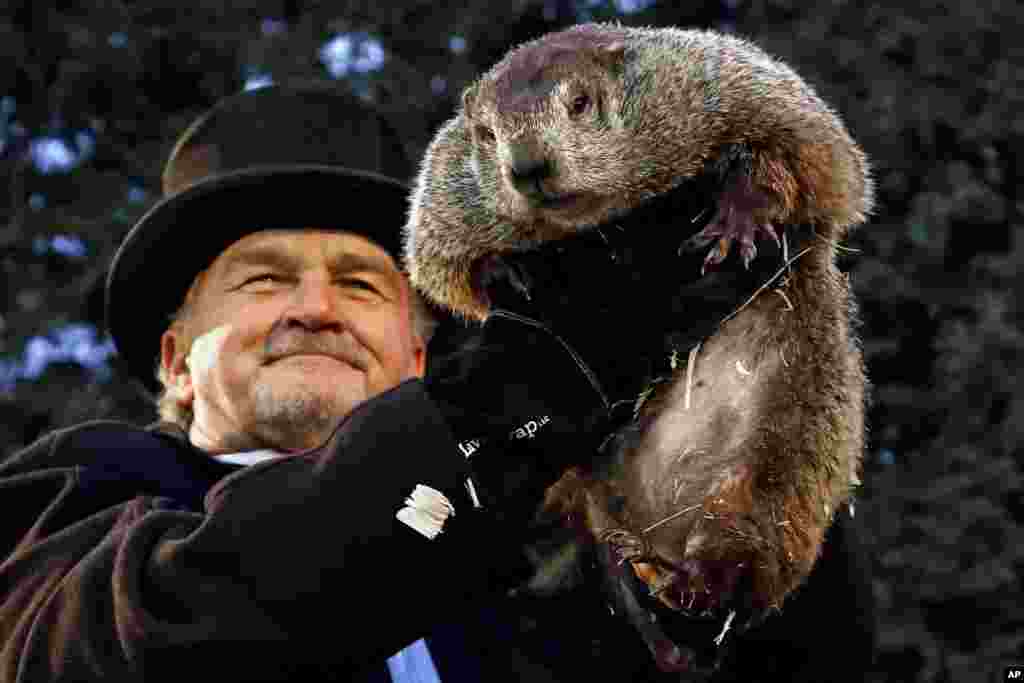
x=558, y=201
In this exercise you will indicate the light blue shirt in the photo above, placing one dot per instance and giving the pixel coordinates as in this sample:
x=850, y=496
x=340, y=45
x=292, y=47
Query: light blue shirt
x=413, y=665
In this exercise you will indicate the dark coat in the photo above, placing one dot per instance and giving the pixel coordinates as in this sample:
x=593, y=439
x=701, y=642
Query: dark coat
x=128, y=555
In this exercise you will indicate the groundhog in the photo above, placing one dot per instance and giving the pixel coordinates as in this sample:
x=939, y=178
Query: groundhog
x=739, y=457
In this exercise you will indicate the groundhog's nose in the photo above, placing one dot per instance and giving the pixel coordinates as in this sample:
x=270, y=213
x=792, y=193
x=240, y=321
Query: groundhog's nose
x=527, y=168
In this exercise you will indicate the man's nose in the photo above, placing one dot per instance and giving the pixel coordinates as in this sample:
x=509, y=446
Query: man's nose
x=314, y=305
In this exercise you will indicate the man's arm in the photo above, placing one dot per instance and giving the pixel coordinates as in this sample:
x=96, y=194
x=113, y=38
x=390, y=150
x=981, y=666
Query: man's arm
x=295, y=565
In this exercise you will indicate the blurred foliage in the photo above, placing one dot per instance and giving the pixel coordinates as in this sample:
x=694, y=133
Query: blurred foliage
x=93, y=93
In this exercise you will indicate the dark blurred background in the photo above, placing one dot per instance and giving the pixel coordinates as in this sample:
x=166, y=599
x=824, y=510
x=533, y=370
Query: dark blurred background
x=92, y=93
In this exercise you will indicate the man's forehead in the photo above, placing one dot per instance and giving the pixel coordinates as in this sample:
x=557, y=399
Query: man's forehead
x=312, y=243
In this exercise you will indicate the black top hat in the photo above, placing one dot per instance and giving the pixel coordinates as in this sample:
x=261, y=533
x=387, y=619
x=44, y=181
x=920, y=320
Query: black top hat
x=300, y=155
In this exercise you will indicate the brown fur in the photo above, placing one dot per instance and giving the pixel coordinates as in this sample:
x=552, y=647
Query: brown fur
x=767, y=451
x=743, y=464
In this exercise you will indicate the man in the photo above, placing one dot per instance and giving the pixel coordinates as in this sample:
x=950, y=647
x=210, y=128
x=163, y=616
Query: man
x=265, y=289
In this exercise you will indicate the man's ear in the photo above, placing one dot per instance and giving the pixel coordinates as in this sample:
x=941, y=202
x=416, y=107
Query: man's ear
x=173, y=362
x=420, y=357
x=418, y=363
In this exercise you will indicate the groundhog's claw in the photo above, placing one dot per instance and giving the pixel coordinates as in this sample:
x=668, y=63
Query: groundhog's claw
x=729, y=224
x=739, y=217
x=697, y=587
x=683, y=613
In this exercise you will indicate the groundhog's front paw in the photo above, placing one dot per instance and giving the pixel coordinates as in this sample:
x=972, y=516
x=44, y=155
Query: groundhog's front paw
x=729, y=225
x=739, y=217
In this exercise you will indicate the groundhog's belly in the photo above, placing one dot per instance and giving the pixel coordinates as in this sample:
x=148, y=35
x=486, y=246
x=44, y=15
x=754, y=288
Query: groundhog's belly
x=697, y=440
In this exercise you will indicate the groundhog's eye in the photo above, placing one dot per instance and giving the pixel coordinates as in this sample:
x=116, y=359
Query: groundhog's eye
x=484, y=133
x=579, y=104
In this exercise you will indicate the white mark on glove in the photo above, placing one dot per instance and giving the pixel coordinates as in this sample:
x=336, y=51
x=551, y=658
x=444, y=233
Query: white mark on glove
x=426, y=511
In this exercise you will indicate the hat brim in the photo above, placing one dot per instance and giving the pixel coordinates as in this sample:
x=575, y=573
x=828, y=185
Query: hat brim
x=182, y=235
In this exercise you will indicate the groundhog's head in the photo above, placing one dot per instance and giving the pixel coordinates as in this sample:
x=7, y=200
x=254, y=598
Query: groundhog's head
x=540, y=150
x=546, y=130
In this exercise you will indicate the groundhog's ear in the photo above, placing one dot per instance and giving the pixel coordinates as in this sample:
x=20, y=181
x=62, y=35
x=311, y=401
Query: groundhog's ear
x=468, y=100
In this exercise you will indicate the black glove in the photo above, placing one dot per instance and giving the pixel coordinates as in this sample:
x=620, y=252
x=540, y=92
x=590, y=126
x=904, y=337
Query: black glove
x=557, y=367
x=521, y=405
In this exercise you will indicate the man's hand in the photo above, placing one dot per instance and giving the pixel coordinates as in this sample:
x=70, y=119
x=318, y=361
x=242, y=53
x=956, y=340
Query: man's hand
x=570, y=343
x=522, y=408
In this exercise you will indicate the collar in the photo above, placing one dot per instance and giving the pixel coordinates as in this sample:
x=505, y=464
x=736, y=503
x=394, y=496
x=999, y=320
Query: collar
x=248, y=457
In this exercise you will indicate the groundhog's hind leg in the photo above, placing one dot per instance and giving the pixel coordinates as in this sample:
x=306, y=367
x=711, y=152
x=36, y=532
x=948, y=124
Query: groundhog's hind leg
x=729, y=490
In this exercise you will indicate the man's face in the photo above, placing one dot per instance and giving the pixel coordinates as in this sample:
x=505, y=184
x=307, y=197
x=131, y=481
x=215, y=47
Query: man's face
x=290, y=330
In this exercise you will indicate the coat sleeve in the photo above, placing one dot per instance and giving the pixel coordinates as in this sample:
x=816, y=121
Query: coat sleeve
x=296, y=566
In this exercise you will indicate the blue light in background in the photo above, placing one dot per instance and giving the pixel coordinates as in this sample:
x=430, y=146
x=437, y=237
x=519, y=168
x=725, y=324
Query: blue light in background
x=77, y=343
x=8, y=375
x=7, y=108
x=117, y=39
x=69, y=246
x=55, y=153
x=85, y=141
x=584, y=7
x=356, y=52
x=336, y=54
x=257, y=81
x=51, y=154
x=36, y=201
x=370, y=56
x=137, y=194
x=438, y=84
x=457, y=44
x=630, y=6
x=272, y=27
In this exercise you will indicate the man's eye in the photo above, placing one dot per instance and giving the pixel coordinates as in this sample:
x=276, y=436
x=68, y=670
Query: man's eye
x=261, y=279
x=360, y=284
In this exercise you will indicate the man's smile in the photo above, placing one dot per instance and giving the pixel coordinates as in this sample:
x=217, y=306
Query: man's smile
x=317, y=357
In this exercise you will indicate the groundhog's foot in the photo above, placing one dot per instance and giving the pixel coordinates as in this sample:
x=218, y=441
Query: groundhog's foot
x=696, y=588
x=716, y=575
x=678, y=641
x=738, y=218
x=685, y=613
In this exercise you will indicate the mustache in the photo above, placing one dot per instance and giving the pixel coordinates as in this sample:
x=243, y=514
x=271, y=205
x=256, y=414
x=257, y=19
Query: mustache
x=283, y=342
